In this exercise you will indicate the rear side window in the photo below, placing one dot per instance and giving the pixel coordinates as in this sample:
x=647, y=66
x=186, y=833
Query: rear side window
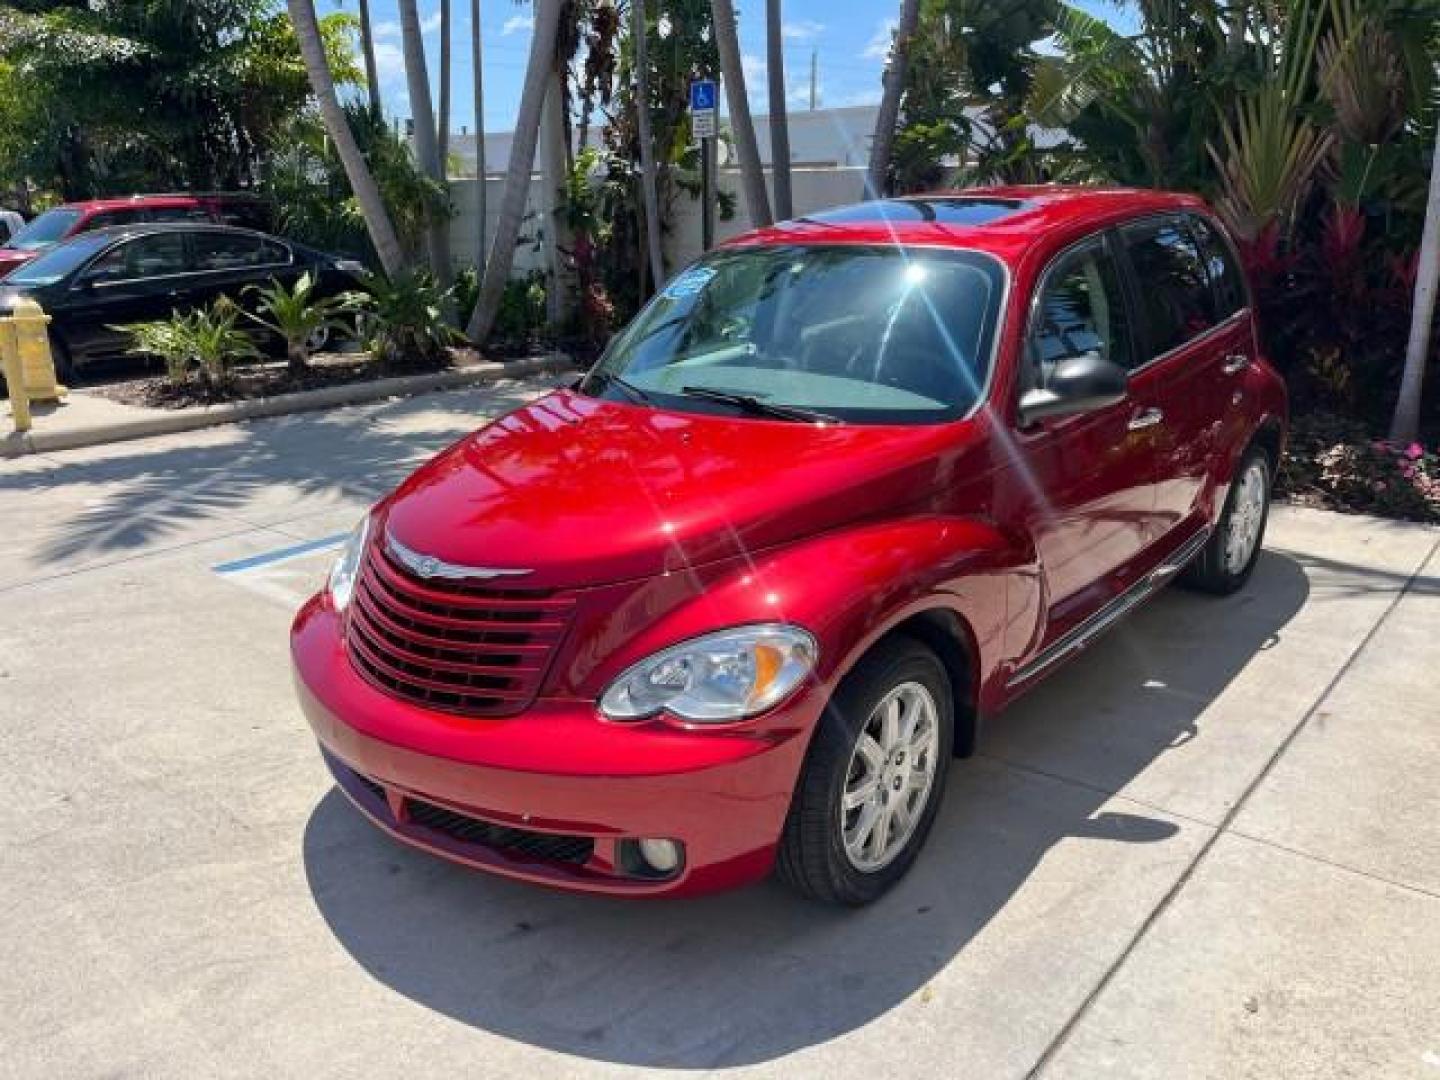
x=1226, y=282
x=1172, y=284
x=1081, y=310
x=225, y=251
x=148, y=256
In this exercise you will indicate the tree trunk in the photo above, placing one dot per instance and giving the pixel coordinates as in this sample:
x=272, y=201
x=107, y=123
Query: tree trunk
x=478, y=68
x=779, y=121
x=427, y=150
x=538, y=72
x=878, y=178
x=1406, y=425
x=372, y=207
x=650, y=199
x=367, y=47
x=752, y=174
x=442, y=123
x=557, y=237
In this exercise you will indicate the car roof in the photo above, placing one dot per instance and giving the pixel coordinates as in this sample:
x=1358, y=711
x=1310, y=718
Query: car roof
x=131, y=202
x=1006, y=221
x=148, y=228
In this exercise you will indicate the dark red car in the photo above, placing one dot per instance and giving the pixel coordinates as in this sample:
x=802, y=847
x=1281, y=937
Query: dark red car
x=845, y=487
x=72, y=219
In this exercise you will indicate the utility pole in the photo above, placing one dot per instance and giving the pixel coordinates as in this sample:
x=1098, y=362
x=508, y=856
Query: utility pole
x=814, y=77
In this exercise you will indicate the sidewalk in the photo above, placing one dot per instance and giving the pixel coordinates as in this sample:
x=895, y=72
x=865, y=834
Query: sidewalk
x=85, y=418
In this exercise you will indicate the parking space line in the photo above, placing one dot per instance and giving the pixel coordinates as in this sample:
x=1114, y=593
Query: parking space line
x=269, y=558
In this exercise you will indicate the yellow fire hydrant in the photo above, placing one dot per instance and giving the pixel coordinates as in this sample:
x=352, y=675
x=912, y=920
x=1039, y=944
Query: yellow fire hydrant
x=25, y=358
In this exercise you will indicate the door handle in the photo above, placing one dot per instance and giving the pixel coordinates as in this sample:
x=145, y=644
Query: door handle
x=1235, y=363
x=1145, y=419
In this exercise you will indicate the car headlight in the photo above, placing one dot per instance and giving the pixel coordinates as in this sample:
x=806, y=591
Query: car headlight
x=723, y=676
x=346, y=570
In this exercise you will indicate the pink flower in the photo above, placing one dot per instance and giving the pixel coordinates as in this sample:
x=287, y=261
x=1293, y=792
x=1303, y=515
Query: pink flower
x=1414, y=450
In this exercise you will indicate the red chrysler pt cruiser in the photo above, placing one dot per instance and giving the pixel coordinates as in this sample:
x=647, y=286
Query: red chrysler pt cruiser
x=844, y=487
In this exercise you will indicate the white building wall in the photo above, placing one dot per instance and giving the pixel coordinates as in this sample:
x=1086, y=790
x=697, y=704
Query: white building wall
x=813, y=189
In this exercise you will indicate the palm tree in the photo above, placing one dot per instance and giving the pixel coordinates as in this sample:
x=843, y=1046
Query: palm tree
x=779, y=122
x=877, y=179
x=427, y=149
x=1406, y=424
x=650, y=198
x=752, y=174
x=539, y=71
x=367, y=46
x=478, y=71
x=367, y=194
x=443, y=120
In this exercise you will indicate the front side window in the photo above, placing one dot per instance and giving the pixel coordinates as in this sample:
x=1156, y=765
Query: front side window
x=1081, y=310
x=1173, y=287
x=49, y=228
x=148, y=256
x=860, y=334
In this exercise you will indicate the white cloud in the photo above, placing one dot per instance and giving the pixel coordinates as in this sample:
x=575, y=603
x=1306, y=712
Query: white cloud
x=802, y=29
x=430, y=23
x=516, y=24
x=878, y=47
x=754, y=69
x=387, y=29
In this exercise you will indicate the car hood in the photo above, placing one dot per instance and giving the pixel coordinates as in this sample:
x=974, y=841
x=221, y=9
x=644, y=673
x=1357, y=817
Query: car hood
x=583, y=492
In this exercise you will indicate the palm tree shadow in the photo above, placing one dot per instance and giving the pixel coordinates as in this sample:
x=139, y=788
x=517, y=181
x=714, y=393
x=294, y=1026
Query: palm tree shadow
x=750, y=976
x=151, y=496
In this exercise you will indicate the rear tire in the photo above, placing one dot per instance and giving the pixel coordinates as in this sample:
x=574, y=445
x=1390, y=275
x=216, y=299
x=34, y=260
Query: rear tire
x=1230, y=555
x=856, y=773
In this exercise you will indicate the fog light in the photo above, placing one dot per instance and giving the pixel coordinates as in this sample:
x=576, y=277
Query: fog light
x=662, y=856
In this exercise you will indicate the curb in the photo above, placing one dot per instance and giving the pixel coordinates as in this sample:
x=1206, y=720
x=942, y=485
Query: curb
x=16, y=444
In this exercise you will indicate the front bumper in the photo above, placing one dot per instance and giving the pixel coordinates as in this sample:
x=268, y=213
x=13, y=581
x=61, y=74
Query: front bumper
x=551, y=795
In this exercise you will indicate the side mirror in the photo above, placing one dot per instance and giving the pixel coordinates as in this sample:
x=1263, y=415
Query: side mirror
x=1078, y=384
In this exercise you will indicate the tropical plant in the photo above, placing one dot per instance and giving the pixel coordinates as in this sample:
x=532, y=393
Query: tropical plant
x=362, y=182
x=779, y=120
x=427, y=146
x=649, y=190
x=742, y=128
x=216, y=343
x=402, y=321
x=1405, y=424
x=478, y=90
x=166, y=340
x=887, y=116
x=517, y=178
x=190, y=95
x=299, y=318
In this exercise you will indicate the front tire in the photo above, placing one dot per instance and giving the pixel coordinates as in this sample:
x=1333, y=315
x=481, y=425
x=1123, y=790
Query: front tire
x=1230, y=555
x=63, y=361
x=874, y=777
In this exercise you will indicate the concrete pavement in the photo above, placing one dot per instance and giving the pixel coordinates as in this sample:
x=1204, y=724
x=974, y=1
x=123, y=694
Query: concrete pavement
x=1211, y=848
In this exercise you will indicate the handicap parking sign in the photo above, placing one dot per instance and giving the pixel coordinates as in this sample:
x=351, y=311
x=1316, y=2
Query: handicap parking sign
x=702, y=96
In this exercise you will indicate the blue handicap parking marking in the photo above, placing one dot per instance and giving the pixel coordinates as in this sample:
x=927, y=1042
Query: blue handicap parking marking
x=294, y=551
x=702, y=96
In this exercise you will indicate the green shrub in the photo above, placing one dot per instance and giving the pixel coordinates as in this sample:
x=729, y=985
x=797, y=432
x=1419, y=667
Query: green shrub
x=403, y=321
x=203, y=343
x=297, y=317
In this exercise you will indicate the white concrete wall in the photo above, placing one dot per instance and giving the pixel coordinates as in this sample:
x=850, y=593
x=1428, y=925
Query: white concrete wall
x=813, y=189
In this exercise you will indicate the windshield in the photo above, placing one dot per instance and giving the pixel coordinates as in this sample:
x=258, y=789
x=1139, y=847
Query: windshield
x=858, y=334
x=59, y=262
x=47, y=229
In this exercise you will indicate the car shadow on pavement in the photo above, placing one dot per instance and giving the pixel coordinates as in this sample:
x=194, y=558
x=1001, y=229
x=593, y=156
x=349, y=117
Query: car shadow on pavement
x=749, y=976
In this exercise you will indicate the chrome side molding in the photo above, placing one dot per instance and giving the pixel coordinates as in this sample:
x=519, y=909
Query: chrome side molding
x=1102, y=620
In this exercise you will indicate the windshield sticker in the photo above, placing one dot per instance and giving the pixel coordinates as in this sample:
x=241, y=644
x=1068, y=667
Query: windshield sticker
x=691, y=283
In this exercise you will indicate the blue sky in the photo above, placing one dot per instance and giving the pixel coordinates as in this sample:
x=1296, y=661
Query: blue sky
x=850, y=39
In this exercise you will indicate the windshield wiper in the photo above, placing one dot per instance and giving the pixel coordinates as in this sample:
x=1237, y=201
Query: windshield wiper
x=759, y=406
x=633, y=392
